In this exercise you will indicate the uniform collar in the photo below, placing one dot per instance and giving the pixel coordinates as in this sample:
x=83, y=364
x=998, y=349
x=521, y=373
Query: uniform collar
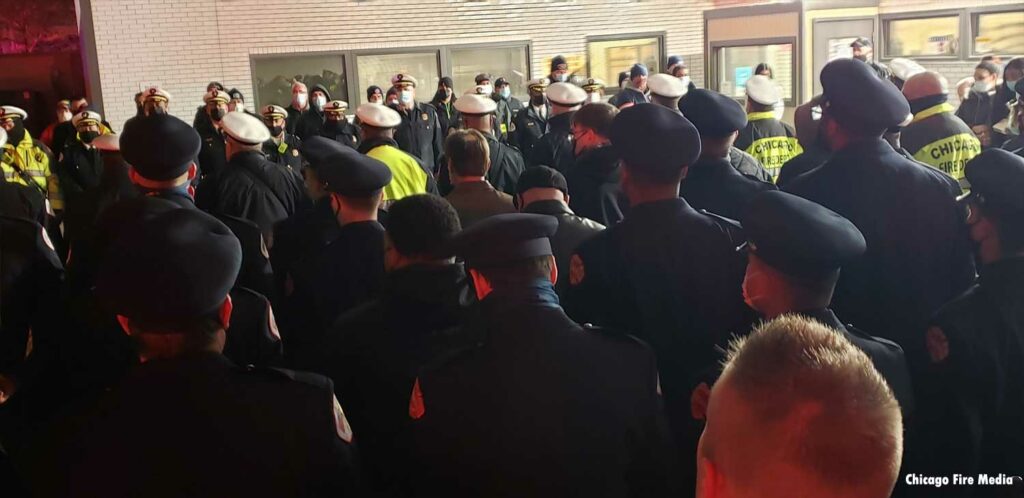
x=757, y=116
x=538, y=292
x=551, y=207
x=373, y=143
x=933, y=110
x=825, y=316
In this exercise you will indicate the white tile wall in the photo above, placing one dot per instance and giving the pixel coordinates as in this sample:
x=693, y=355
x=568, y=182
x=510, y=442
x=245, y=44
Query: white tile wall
x=184, y=44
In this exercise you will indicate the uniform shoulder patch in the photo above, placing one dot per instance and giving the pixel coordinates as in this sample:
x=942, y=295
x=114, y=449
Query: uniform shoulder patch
x=416, y=406
x=937, y=344
x=577, y=270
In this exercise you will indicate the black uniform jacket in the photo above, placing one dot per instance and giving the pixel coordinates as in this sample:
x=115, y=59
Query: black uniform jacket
x=670, y=275
x=30, y=280
x=253, y=188
x=285, y=153
x=555, y=148
x=886, y=356
x=448, y=116
x=529, y=126
x=594, y=190
x=420, y=134
x=22, y=201
x=343, y=132
x=812, y=157
x=519, y=416
x=374, y=352
x=80, y=169
x=213, y=152
x=330, y=281
x=972, y=394
x=200, y=426
x=573, y=230
x=918, y=252
x=748, y=165
x=714, y=185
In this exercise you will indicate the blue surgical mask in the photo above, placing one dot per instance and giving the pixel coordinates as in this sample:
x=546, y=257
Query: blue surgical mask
x=405, y=96
x=505, y=93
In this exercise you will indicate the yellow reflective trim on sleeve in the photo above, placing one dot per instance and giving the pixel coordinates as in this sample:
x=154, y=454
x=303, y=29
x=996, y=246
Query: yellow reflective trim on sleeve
x=950, y=154
x=773, y=152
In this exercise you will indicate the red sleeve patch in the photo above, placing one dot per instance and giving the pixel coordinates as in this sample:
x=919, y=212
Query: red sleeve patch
x=416, y=407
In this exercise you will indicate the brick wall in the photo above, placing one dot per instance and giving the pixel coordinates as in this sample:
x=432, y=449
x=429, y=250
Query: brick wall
x=183, y=44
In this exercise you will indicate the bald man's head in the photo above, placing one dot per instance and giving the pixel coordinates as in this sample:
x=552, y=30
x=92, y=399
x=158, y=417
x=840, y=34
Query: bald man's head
x=799, y=411
x=926, y=84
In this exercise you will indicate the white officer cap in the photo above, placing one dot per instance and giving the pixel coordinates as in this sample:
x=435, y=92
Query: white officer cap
x=762, y=89
x=157, y=93
x=216, y=95
x=539, y=84
x=666, y=86
x=336, y=106
x=3, y=137
x=475, y=105
x=274, y=111
x=109, y=142
x=477, y=90
x=592, y=84
x=378, y=115
x=9, y=111
x=905, y=68
x=566, y=94
x=401, y=78
x=245, y=128
x=86, y=118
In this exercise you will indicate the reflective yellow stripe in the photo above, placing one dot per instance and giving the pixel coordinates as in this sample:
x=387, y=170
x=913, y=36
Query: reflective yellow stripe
x=931, y=111
x=757, y=116
x=950, y=154
x=773, y=152
x=407, y=177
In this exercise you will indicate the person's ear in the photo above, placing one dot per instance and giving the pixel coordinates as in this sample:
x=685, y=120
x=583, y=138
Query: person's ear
x=125, y=326
x=224, y=314
x=193, y=170
x=554, y=270
x=480, y=283
x=566, y=197
x=518, y=201
x=134, y=176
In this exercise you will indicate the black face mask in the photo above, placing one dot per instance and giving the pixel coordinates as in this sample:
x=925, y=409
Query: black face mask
x=217, y=114
x=537, y=100
x=332, y=126
x=276, y=130
x=918, y=105
x=160, y=110
x=88, y=136
x=17, y=133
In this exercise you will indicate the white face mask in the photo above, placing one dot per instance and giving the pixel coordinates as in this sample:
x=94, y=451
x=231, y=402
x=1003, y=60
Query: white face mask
x=405, y=96
x=982, y=86
x=238, y=107
x=487, y=89
x=64, y=117
x=562, y=78
x=593, y=97
x=300, y=99
x=319, y=101
x=685, y=80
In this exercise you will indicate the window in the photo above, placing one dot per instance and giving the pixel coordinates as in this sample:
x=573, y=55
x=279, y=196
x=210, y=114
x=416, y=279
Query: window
x=998, y=33
x=735, y=65
x=273, y=76
x=500, y=62
x=607, y=58
x=931, y=36
x=377, y=69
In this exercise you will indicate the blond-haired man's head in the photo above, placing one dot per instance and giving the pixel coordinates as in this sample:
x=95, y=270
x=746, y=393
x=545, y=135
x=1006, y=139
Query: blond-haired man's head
x=799, y=411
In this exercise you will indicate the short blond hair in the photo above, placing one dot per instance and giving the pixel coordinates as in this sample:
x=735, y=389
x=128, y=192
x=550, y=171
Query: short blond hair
x=821, y=404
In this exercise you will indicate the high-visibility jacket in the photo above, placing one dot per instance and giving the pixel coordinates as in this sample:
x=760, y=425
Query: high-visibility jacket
x=408, y=177
x=941, y=140
x=28, y=163
x=769, y=140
